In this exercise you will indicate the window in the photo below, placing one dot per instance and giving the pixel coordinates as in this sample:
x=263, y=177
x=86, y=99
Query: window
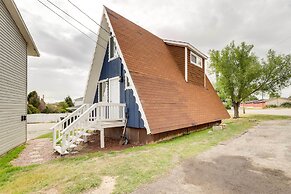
x=127, y=84
x=102, y=91
x=112, y=49
x=196, y=60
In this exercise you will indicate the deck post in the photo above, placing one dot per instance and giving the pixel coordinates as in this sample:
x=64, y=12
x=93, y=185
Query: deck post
x=102, y=142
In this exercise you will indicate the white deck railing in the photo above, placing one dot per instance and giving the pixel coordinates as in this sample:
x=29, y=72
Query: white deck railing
x=60, y=126
x=96, y=114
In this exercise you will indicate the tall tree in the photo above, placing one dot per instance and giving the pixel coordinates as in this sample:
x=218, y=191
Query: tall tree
x=274, y=95
x=69, y=101
x=241, y=74
x=33, y=99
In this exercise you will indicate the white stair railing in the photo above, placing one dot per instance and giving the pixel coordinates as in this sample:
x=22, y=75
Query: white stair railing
x=60, y=126
x=93, y=116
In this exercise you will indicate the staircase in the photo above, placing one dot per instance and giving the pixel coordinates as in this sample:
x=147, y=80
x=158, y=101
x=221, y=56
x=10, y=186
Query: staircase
x=77, y=126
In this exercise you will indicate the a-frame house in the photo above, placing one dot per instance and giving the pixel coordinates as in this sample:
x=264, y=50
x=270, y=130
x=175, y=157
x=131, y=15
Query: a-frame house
x=156, y=88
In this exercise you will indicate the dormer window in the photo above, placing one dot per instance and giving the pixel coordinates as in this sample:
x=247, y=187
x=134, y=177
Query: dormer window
x=195, y=59
x=112, y=49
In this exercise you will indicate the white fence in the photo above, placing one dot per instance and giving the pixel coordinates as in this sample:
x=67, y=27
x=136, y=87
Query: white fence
x=45, y=118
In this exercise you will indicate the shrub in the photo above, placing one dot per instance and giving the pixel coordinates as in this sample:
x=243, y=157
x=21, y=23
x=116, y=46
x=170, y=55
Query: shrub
x=286, y=105
x=31, y=109
x=271, y=106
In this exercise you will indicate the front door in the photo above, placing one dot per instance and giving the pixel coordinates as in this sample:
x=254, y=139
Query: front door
x=114, y=90
x=109, y=92
x=114, y=97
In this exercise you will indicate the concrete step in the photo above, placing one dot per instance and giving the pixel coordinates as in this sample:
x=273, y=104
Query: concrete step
x=72, y=146
x=59, y=149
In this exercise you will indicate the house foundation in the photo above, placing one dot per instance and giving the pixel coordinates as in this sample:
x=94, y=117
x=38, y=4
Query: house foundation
x=139, y=136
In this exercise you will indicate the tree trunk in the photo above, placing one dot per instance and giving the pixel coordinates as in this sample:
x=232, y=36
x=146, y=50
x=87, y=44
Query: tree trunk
x=235, y=108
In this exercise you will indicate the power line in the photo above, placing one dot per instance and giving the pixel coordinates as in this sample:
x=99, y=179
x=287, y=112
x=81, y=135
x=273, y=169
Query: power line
x=75, y=20
x=89, y=17
x=70, y=23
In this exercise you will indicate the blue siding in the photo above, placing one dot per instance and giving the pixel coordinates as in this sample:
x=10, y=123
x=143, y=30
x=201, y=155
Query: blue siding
x=134, y=119
x=115, y=68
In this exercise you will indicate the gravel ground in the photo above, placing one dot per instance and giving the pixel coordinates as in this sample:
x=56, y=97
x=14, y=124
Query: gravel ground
x=255, y=162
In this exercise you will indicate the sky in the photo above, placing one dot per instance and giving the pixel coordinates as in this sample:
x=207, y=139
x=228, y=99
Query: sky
x=66, y=54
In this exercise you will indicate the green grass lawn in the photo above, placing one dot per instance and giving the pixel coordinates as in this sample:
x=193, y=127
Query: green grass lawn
x=47, y=135
x=131, y=167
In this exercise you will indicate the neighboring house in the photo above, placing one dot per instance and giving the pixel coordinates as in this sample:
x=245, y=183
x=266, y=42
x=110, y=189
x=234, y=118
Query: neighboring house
x=78, y=102
x=254, y=104
x=160, y=85
x=264, y=103
x=15, y=44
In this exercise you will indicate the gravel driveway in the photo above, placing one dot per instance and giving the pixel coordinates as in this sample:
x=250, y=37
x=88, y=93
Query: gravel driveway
x=258, y=161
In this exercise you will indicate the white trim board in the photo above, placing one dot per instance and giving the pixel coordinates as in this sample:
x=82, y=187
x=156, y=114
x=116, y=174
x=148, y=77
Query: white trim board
x=186, y=64
x=97, y=62
x=185, y=44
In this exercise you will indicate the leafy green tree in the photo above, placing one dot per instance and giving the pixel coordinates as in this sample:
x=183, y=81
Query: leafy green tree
x=62, y=107
x=241, y=74
x=31, y=109
x=274, y=95
x=33, y=99
x=50, y=108
x=69, y=101
x=251, y=97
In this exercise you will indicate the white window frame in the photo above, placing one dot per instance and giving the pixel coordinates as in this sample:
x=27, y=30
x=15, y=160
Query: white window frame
x=114, y=48
x=107, y=82
x=126, y=80
x=198, y=58
x=98, y=86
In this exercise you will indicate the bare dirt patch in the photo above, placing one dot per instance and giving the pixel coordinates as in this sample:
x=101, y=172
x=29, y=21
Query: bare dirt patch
x=93, y=145
x=106, y=187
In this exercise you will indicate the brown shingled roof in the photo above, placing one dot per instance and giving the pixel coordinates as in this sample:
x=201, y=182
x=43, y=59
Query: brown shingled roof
x=168, y=101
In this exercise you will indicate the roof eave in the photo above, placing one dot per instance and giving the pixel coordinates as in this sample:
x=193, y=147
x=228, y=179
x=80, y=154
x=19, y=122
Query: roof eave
x=15, y=14
x=185, y=44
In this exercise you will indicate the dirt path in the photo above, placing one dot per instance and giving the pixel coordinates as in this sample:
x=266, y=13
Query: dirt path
x=37, y=151
x=257, y=162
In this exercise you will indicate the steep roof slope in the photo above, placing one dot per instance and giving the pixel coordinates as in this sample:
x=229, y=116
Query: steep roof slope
x=168, y=101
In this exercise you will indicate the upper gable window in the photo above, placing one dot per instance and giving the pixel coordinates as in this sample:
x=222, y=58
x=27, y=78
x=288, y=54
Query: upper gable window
x=112, y=49
x=195, y=59
x=127, y=83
